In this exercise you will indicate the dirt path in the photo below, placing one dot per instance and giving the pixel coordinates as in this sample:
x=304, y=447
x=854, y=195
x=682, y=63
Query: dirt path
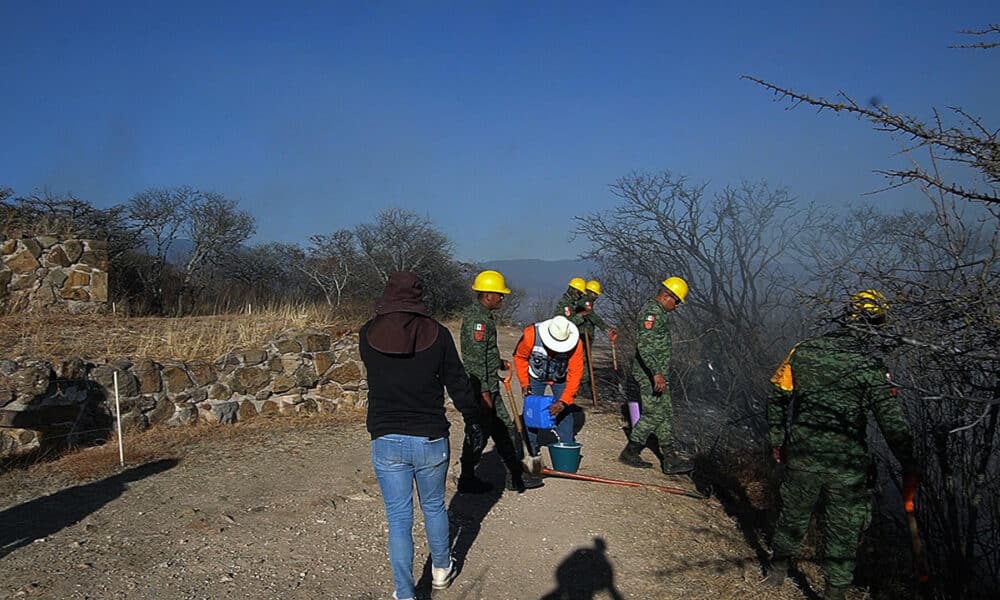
x=296, y=513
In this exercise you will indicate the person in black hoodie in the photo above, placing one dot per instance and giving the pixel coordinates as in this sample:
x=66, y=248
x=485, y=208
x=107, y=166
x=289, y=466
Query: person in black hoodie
x=408, y=357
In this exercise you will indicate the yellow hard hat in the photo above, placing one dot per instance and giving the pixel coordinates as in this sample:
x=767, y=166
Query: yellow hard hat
x=677, y=286
x=594, y=286
x=490, y=281
x=578, y=283
x=869, y=303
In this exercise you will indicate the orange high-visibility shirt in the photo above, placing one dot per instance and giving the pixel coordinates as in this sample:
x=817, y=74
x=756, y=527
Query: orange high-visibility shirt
x=573, y=374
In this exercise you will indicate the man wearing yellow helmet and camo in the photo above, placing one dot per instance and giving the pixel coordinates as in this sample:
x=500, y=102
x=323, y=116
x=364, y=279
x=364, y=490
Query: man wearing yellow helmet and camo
x=481, y=358
x=587, y=321
x=828, y=387
x=649, y=369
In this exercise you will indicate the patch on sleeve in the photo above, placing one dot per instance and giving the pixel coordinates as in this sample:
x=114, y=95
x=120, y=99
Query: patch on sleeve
x=649, y=321
x=479, y=332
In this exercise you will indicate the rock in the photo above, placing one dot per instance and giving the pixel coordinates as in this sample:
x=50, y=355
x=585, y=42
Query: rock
x=45, y=295
x=313, y=341
x=128, y=384
x=199, y=395
x=201, y=373
x=308, y=405
x=5, y=277
x=322, y=361
x=183, y=415
x=282, y=383
x=56, y=277
x=262, y=395
x=92, y=260
x=268, y=407
x=71, y=368
x=251, y=358
x=56, y=258
x=7, y=367
x=287, y=403
x=96, y=245
x=47, y=241
x=290, y=362
x=8, y=247
x=219, y=391
x=73, y=249
x=226, y=412
x=287, y=346
x=305, y=376
x=77, y=294
x=99, y=286
x=248, y=380
x=274, y=365
x=325, y=405
x=30, y=380
x=330, y=390
x=175, y=379
x=247, y=410
x=77, y=278
x=163, y=412
x=134, y=421
x=346, y=373
x=228, y=363
x=32, y=246
x=148, y=373
x=206, y=413
x=24, y=282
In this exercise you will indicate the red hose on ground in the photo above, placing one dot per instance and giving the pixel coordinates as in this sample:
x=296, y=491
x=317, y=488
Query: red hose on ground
x=546, y=472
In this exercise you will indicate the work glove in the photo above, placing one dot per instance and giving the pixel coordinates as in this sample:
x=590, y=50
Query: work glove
x=910, y=482
x=475, y=437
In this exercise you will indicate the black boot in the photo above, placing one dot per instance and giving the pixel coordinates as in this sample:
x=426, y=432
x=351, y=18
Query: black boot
x=470, y=484
x=630, y=456
x=779, y=570
x=518, y=481
x=671, y=465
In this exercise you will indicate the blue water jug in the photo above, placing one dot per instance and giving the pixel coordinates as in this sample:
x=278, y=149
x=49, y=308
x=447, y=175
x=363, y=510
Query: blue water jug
x=536, y=412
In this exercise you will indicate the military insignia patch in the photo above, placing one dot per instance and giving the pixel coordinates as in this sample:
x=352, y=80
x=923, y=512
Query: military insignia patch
x=650, y=321
x=479, y=332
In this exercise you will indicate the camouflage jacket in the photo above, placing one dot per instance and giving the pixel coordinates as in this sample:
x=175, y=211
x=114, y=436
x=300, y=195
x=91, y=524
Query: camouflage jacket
x=569, y=306
x=823, y=394
x=479, y=348
x=652, y=347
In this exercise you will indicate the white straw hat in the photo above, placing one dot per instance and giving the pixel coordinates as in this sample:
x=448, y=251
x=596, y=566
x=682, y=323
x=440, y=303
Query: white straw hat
x=559, y=334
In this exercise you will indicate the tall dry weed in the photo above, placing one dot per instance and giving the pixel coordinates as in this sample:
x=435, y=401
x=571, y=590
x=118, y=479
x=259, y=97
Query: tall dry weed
x=55, y=336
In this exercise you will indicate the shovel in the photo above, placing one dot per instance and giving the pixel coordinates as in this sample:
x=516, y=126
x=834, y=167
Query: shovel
x=530, y=464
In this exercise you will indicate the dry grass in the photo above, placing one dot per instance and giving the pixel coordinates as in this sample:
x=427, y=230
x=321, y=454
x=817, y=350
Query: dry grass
x=163, y=443
x=53, y=336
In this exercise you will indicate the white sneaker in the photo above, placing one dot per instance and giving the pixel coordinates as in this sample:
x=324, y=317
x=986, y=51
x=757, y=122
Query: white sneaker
x=395, y=597
x=441, y=578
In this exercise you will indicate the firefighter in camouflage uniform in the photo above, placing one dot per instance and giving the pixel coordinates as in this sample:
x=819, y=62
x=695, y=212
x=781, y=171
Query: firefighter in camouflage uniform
x=577, y=305
x=827, y=387
x=481, y=358
x=649, y=370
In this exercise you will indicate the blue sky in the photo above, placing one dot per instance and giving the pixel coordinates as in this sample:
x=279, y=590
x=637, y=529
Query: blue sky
x=501, y=121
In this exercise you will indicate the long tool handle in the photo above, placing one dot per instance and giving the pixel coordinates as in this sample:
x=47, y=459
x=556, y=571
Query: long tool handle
x=614, y=355
x=590, y=366
x=634, y=484
x=512, y=405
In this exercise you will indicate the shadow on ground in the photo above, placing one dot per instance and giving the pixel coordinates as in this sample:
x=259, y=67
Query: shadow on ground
x=585, y=573
x=23, y=524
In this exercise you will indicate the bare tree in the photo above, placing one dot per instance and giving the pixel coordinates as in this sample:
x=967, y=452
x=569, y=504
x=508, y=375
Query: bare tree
x=216, y=227
x=733, y=249
x=331, y=263
x=158, y=214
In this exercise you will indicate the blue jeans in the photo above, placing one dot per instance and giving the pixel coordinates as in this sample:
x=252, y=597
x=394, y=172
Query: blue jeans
x=564, y=422
x=399, y=460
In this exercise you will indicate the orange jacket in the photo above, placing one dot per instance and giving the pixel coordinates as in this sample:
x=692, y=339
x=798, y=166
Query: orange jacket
x=573, y=374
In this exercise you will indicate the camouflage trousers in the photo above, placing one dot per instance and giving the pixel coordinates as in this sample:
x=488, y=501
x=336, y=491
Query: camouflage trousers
x=657, y=416
x=498, y=425
x=848, y=513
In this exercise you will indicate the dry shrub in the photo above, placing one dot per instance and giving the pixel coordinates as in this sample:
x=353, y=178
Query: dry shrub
x=57, y=336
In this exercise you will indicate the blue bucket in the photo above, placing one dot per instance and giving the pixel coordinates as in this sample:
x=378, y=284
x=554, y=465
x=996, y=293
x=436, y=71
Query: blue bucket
x=565, y=456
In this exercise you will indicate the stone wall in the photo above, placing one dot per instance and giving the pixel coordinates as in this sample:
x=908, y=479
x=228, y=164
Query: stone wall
x=305, y=371
x=45, y=273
